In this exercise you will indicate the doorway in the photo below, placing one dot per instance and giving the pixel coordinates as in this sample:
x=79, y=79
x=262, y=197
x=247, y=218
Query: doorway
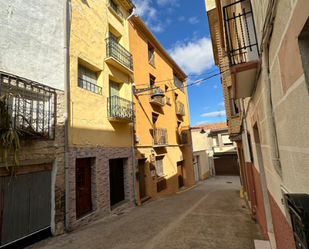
x=116, y=180
x=142, y=180
x=83, y=186
x=196, y=172
x=180, y=174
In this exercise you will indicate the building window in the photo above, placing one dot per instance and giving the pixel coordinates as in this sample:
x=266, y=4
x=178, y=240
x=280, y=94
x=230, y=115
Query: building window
x=114, y=6
x=215, y=141
x=226, y=140
x=152, y=80
x=234, y=103
x=178, y=83
x=87, y=79
x=151, y=56
x=30, y=106
x=159, y=165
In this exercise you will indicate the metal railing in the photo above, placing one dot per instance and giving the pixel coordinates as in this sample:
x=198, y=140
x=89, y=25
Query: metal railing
x=180, y=108
x=30, y=107
x=160, y=136
x=115, y=8
x=184, y=138
x=89, y=86
x=119, y=53
x=240, y=33
x=156, y=99
x=151, y=58
x=178, y=84
x=168, y=100
x=120, y=108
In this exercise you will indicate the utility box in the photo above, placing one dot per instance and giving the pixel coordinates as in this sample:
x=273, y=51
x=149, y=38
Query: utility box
x=298, y=208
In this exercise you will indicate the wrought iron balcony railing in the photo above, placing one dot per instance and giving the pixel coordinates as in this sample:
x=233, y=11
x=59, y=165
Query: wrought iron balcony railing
x=160, y=136
x=89, y=86
x=156, y=100
x=180, y=109
x=120, y=108
x=179, y=84
x=119, y=53
x=240, y=33
x=115, y=8
x=29, y=106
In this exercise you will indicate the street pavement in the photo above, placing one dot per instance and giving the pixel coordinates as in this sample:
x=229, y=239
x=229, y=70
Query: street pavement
x=209, y=216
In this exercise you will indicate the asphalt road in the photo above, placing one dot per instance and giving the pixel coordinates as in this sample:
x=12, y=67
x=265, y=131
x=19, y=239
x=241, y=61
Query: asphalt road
x=211, y=216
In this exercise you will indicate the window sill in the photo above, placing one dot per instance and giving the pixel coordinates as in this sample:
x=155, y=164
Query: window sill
x=115, y=14
x=235, y=116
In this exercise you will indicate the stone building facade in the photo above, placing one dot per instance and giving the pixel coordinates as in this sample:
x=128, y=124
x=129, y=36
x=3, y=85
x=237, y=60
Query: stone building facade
x=34, y=86
x=270, y=83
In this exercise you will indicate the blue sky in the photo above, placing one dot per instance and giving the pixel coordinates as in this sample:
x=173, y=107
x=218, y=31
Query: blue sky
x=181, y=27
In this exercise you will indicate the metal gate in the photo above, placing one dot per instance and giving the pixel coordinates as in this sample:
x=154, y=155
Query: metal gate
x=25, y=205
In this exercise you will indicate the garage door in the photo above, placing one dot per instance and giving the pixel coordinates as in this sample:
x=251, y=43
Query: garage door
x=226, y=166
x=26, y=205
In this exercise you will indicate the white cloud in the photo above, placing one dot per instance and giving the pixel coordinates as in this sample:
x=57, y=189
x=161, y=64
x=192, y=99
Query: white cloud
x=207, y=107
x=215, y=86
x=143, y=7
x=221, y=103
x=193, y=56
x=213, y=114
x=193, y=20
x=168, y=21
x=203, y=122
x=167, y=2
x=181, y=18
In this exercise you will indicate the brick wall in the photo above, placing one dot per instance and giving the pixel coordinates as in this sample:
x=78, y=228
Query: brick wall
x=100, y=183
x=233, y=122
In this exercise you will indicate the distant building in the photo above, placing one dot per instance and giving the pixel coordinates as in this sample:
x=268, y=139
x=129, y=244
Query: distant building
x=261, y=48
x=214, y=153
x=163, y=154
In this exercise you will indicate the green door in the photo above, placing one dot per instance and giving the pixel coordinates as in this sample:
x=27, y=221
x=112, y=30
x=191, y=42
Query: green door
x=114, y=99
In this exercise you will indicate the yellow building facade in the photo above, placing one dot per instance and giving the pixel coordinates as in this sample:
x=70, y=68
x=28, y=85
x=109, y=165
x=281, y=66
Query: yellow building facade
x=101, y=111
x=163, y=154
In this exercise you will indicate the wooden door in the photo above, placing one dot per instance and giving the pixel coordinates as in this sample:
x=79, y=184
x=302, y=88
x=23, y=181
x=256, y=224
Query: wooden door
x=142, y=183
x=83, y=186
x=180, y=175
x=116, y=180
x=196, y=172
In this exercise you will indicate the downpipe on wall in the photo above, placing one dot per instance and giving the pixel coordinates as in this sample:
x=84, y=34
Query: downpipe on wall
x=66, y=108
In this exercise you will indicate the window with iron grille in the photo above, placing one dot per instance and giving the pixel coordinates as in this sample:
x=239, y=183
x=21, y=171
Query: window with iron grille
x=178, y=83
x=30, y=106
x=87, y=79
x=159, y=165
x=151, y=56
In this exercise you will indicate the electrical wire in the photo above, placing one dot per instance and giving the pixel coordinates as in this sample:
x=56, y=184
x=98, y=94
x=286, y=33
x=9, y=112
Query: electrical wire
x=191, y=84
x=156, y=83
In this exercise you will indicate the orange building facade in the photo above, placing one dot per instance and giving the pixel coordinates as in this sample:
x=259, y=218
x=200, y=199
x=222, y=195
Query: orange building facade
x=163, y=154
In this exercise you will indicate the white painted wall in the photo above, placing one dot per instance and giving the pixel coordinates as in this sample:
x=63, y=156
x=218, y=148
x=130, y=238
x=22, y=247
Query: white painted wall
x=32, y=40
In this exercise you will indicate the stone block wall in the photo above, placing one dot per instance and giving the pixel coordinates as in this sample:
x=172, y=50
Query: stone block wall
x=100, y=183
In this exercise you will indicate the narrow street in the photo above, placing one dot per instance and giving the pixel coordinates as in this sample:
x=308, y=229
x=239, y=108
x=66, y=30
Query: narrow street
x=211, y=215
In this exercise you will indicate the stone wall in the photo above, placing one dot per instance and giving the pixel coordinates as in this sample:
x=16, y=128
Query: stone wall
x=100, y=183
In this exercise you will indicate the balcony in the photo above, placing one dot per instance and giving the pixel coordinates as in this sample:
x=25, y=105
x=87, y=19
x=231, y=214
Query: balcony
x=89, y=86
x=179, y=84
x=183, y=138
x=156, y=100
x=30, y=107
x=160, y=137
x=118, y=56
x=120, y=110
x=242, y=47
x=180, y=109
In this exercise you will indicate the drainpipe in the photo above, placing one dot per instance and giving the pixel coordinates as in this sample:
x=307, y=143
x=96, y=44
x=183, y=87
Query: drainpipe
x=66, y=108
x=133, y=12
